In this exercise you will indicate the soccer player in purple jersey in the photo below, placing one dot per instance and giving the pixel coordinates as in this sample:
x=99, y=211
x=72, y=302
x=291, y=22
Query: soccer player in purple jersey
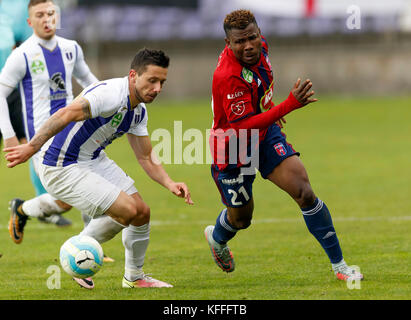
x=75, y=168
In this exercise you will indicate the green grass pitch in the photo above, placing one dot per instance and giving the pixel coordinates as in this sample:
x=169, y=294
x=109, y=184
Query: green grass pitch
x=357, y=153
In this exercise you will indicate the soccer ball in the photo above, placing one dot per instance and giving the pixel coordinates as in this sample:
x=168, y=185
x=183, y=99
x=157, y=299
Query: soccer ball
x=81, y=256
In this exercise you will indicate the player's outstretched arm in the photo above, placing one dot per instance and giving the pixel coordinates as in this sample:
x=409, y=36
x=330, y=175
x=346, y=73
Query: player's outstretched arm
x=78, y=110
x=298, y=98
x=142, y=148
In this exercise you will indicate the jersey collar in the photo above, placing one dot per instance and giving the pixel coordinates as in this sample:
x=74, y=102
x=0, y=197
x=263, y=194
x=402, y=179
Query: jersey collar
x=48, y=44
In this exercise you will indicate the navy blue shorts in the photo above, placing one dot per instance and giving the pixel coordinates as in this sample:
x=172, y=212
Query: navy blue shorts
x=235, y=188
x=273, y=150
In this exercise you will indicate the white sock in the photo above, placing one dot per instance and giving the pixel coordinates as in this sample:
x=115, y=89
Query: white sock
x=135, y=240
x=42, y=206
x=86, y=219
x=339, y=264
x=102, y=228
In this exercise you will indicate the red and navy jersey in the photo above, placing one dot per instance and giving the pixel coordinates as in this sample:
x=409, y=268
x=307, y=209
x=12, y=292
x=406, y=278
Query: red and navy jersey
x=238, y=92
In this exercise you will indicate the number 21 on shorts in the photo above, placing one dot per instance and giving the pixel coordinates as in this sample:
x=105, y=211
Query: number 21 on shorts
x=235, y=196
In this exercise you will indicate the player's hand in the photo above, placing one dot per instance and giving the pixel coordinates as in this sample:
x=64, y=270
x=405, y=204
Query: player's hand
x=11, y=142
x=19, y=154
x=301, y=92
x=281, y=122
x=180, y=190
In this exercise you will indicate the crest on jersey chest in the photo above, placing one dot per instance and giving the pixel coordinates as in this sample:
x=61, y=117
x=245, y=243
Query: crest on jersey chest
x=37, y=67
x=69, y=55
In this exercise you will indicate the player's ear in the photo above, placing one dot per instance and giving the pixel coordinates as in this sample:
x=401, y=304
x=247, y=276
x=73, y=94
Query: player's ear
x=132, y=73
x=29, y=22
x=227, y=42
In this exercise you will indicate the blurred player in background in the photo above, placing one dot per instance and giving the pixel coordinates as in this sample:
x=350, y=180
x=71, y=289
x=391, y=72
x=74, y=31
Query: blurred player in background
x=7, y=44
x=43, y=67
x=242, y=93
x=17, y=10
x=75, y=168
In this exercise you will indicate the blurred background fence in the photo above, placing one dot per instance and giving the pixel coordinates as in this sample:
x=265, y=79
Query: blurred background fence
x=349, y=47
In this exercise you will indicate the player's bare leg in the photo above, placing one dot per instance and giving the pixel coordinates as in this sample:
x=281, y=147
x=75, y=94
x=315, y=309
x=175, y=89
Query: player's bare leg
x=291, y=176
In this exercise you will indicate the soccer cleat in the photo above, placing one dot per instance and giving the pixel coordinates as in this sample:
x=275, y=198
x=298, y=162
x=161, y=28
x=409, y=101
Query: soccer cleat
x=86, y=283
x=346, y=273
x=221, y=252
x=107, y=259
x=17, y=221
x=145, y=282
x=56, y=219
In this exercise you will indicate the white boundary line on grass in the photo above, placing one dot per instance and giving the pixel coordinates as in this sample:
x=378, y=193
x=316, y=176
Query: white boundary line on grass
x=255, y=221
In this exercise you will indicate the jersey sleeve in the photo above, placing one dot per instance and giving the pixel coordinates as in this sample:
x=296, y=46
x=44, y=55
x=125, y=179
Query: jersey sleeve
x=139, y=126
x=103, y=99
x=14, y=70
x=81, y=70
x=236, y=99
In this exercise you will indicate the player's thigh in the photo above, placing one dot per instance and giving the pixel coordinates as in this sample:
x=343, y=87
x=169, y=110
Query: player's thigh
x=123, y=209
x=129, y=209
x=291, y=176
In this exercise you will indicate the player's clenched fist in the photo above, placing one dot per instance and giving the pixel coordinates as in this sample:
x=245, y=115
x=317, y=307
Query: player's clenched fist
x=301, y=92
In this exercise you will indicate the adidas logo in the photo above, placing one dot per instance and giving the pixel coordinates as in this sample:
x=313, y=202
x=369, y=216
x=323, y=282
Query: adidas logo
x=329, y=234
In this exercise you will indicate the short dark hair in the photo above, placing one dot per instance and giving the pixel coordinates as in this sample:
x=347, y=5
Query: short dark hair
x=36, y=2
x=238, y=19
x=145, y=57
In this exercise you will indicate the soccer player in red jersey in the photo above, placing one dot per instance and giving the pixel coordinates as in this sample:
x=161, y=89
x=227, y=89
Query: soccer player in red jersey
x=246, y=135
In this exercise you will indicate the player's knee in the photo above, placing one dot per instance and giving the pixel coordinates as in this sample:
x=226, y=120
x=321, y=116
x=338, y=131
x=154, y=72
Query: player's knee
x=306, y=196
x=140, y=214
x=143, y=212
x=129, y=212
x=242, y=223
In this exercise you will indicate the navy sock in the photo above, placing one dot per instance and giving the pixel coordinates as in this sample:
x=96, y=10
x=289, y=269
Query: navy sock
x=319, y=223
x=223, y=230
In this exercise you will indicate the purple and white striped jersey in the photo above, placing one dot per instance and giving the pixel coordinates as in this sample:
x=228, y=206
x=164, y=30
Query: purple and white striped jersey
x=43, y=69
x=111, y=117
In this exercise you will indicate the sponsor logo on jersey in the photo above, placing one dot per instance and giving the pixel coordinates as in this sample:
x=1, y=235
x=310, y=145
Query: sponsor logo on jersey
x=116, y=120
x=239, y=179
x=280, y=149
x=58, y=96
x=37, y=67
x=235, y=95
x=238, y=108
x=57, y=82
x=265, y=102
x=247, y=75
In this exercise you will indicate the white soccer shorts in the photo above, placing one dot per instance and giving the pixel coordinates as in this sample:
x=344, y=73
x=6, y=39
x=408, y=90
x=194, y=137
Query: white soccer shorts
x=91, y=187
